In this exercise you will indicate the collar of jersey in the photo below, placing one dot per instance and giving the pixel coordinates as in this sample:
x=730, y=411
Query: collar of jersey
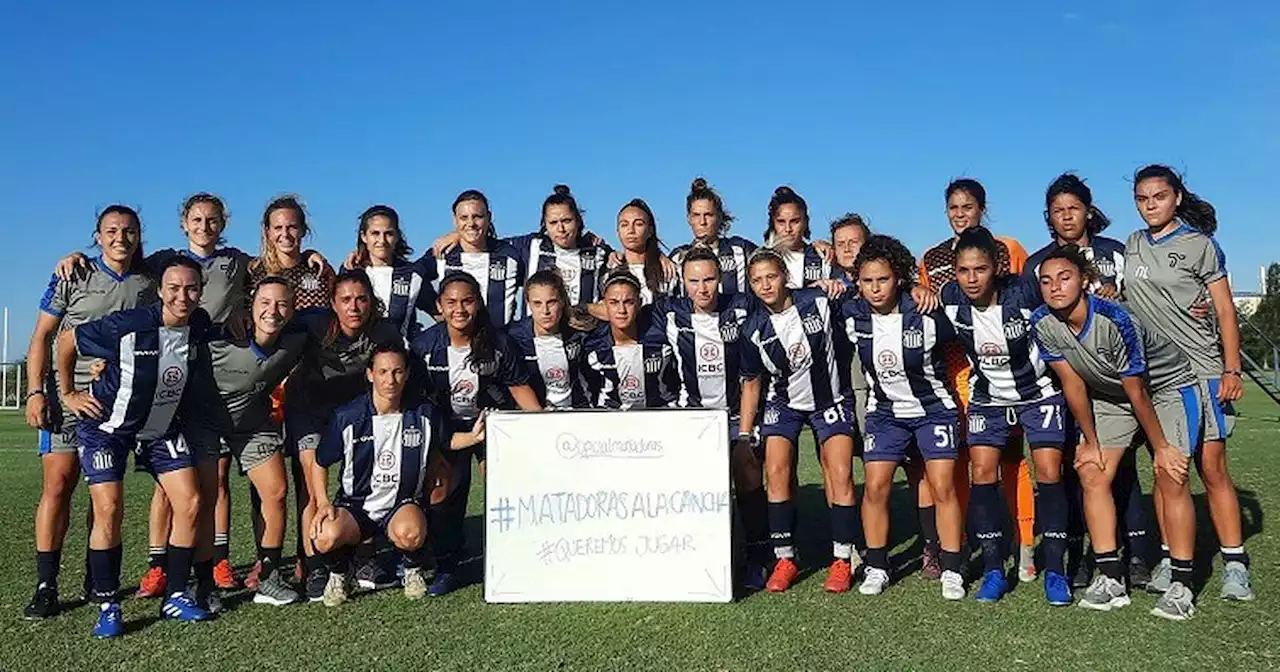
x=1181, y=228
x=1088, y=316
x=102, y=266
x=204, y=260
x=258, y=352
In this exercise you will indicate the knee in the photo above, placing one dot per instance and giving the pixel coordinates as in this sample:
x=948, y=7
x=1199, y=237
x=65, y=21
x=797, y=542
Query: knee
x=984, y=472
x=186, y=508
x=877, y=491
x=325, y=541
x=943, y=494
x=407, y=537
x=59, y=487
x=778, y=471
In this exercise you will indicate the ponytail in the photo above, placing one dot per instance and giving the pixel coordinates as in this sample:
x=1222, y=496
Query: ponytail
x=1196, y=212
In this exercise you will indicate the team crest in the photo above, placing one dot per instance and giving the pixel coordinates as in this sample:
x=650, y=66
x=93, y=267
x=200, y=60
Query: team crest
x=729, y=332
x=400, y=287
x=812, y=273
x=497, y=271
x=486, y=368
x=309, y=283
x=588, y=261
x=977, y=424
x=411, y=437
x=770, y=416
x=653, y=364
x=812, y=323
x=1015, y=329
x=572, y=349
x=1106, y=267
x=728, y=264
x=913, y=338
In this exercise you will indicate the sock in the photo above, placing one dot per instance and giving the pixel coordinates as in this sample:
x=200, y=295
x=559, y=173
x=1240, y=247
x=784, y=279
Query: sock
x=446, y=537
x=270, y=559
x=928, y=525
x=204, y=580
x=47, y=563
x=844, y=523
x=782, y=521
x=311, y=563
x=88, y=573
x=156, y=556
x=1235, y=554
x=1182, y=571
x=415, y=558
x=753, y=507
x=105, y=568
x=221, y=546
x=178, y=568
x=878, y=558
x=951, y=561
x=255, y=515
x=1051, y=511
x=338, y=560
x=986, y=505
x=1164, y=552
x=1108, y=563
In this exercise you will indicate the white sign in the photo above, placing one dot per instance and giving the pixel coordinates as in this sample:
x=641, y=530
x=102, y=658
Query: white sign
x=608, y=506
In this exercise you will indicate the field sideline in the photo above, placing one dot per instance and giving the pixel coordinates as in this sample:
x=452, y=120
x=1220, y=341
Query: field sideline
x=909, y=627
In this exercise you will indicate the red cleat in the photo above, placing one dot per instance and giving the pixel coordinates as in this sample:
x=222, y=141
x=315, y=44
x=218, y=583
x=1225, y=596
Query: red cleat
x=224, y=577
x=251, y=579
x=152, y=583
x=784, y=574
x=840, y=577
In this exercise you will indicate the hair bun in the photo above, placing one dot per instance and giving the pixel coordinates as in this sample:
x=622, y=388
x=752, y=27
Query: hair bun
x=784, y=190
x=561, y=190
x=699, y=184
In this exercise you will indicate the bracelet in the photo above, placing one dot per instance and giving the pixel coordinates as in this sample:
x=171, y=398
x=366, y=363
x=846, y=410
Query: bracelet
x=33, y=393
x=1233, y=372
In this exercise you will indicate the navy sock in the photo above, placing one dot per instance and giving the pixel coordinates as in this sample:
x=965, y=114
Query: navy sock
x=1108, y=564
x=928, y=525
x=204, y=580
x=1236, y=554
x=415, y=558
x=782, y=522
x=156, y=557
x=105, y=568
x=1182, y=571
x=444, y=522
x=221, y=546
x=753, y=507
x=844, y=525
x=1051, y=513
x=988, y=527
x=178, y=568
x=878, y=558
x=270, y=558
x=1134, y=521
x=339, y=560
x=47, y=563
x=951, y=561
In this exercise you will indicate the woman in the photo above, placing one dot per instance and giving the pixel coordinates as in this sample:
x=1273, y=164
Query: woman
x=788, y=233
x=1175, y=262
x=901, y=350
x=624, y=369
x=709, y=223
x=470, y=368
x=116, y=280
x=552, y=349
x=848, y=233
x=402, y=287
x=642, y=251
x=1011, y=389
x=284, y=227
x=1120, y=378
x=474, y=248
x=789, y=338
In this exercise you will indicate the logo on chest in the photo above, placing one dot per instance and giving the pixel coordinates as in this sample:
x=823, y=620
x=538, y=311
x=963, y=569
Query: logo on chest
x=1106, y=267
x=1174, y=258
x=386, y=459
x=729, y=332
x=798, y=356
x=400, y=287
x=309, y=283
x=572, y=349
x=653, y=364
x=411, y=437
x=913, y=338
x=812, y=323
x=709, y=352
x=1015, y=329
x=812, y=273
x=728, y=264
x=588, y=261
x=497, y=271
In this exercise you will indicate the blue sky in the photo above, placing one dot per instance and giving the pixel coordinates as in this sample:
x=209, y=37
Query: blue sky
x=859, y=108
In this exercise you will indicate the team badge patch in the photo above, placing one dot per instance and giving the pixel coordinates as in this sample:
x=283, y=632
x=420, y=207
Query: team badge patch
x=411, y=437
x=913, y=338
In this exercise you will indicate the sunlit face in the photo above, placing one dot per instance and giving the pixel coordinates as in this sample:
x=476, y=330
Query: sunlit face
x=118, y=235
x=847, y=241
x=878, y=284
x=204, y=224
x=562, y=226
x=353, y=306
x=380, y=237
x=975, y=274
x=180, y=291
x=544, y=306
x=388, y=373
x=458, y=305
x=702, y=284
x=634, y=229
x=769, y=282
x=788, y=226
x=1069, y=217
x=1061, y=284
x=704, y=219
x=1157, y=201
x=284, y=230
x=272, y=308
x=471, y=220
x=622, y=302
x=963, y=211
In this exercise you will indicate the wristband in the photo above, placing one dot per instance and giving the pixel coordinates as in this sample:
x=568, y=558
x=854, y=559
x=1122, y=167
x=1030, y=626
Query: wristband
x=34, y=392
x=1233, y=372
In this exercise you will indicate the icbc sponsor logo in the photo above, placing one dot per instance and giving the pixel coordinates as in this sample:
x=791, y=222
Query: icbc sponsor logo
x=630, y=383
x=709, y=352
x=798, y=354
x=171, y=376
x=709, y=359
x=991, y=354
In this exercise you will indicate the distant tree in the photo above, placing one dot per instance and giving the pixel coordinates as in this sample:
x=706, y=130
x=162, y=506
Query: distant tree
x=1266, y=319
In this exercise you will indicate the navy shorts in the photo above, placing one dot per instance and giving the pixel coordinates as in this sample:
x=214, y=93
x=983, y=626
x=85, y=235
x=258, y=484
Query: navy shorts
x=370, y=527
x=1041, y=421
x=104, y=458
x=888, y=438
x=302, y=432
x=784, y=421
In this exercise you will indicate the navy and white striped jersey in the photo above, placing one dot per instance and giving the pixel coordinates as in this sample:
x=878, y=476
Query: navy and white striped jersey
x=638, y=375
x=902, y=357
x=666, y=287
x=384, y=457
x=499, y=271
x=1107, y=255
x=403, y=289
x=798, y=349
x=734, y=251
x=147, y=368
x=582, y=267
x=1007, y=367
x=554, y=363
x=227, y=285
x=805, y=266
x=706, y=347
x=454, y=383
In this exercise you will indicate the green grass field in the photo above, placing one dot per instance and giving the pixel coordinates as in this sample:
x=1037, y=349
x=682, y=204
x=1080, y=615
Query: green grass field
x=909, y=627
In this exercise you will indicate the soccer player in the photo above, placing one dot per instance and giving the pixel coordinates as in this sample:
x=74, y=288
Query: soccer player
x=848, y=233
x=115, y=280
x=474, y=248
x=470, y=368
x=789, y=337
x=966, y=207
x=900, y=348
x=624, y=369
x=386, y=450
x=130, y=408
x=788, y=233
x=551, y=347
x=1120, y=378
x=709, y=223
x=284, y=226
x=1175, y=262
x=1011, y=388
x=642, y=251
x=402, y=287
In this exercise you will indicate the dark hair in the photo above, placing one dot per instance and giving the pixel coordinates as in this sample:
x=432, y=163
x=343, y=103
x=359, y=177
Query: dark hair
x=1196, y=212
x=890, y=250
x=359, y=277
x=138, y=262
x=620, y=274
x=850, y=219
x=477, y=195
x=1069, y=183
x=205, y=197
x=980, y=238
x=548, y=277
x=767, y=254
x=701, y=191
x=562, y=196
x=272, y=280
x=653, y=275
x=182, y=261
x=782, y=196
x=1075, y=256
x=700, y=253
x=969, y=186
x=484, y=340
x=402, y=251
x=393, y=347
x=269, y=260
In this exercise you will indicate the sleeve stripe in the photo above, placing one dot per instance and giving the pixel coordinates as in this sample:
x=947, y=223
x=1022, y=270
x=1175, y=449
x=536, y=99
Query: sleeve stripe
x=1129, y=333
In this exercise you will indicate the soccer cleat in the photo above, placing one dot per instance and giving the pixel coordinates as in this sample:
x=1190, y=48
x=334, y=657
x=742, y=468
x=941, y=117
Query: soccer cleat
x=373, y=576
x=754, y=576
x=1235, y=582
x=212, y=603
x=931, y=565
x=110, y=621
x=1083, y=576
x=840, y=577
x=784, y=574
x=152, y=583
x=444, y=583
x=1176, y=604
x=254, y=576
x=183, y=607
x=952, y=585
x=1139, y=574
x=1161, y=578
x=1057, y=592
x=1104, y=594
x=1026, y=564
x=993, y=587
x=874, y=582
x=415, y=584
x=316, y=582
x=273, y=590
x=44, y=604
x=224, y=577
x=335, y=590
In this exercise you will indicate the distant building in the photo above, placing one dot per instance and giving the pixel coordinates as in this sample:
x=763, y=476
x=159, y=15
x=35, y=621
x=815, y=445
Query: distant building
x=1247, y=302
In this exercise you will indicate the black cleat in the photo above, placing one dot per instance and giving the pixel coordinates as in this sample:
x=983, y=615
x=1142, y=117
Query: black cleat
x=1139, y=574
x=44, y=604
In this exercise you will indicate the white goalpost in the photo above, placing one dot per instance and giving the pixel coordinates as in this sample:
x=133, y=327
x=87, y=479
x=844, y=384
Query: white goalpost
x=10, y=373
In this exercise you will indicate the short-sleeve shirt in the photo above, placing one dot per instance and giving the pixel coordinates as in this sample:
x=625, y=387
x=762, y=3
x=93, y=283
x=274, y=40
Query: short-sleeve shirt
x=311, y=289
x=733, y=251
x=226, y=279
x=232, y=381
x=1107, y=255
